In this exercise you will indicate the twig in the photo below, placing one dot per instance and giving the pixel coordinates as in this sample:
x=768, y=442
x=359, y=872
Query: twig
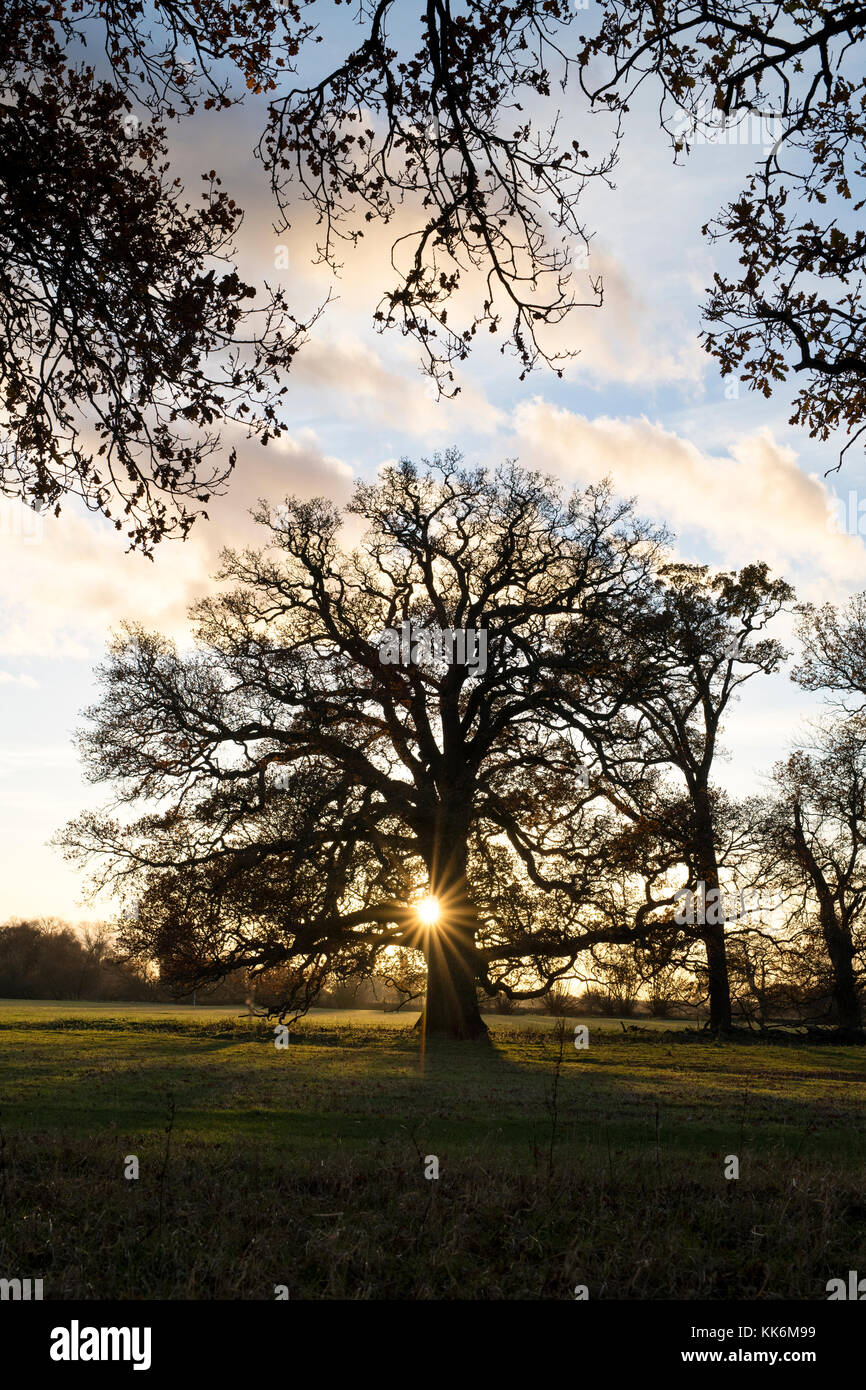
x=4, y=1176
x=168, y=1130
x=554, y=1093
x=743, y=1116
x=658, y=1154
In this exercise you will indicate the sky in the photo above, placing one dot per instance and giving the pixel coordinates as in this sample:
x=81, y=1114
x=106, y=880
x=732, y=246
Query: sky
x=641, y=403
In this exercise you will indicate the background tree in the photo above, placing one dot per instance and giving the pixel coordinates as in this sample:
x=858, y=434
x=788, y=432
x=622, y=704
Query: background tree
x=833, y=653
x=48, y=959
x=813, y=833
x=615, y=981
x=312, y=794
x=755, y=962
x=689, y=645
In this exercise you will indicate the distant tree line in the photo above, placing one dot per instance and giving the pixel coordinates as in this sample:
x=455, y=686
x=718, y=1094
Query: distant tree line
x=44, y=958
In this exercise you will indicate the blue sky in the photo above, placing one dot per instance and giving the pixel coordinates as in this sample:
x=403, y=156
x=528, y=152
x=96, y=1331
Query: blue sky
x=641, y=403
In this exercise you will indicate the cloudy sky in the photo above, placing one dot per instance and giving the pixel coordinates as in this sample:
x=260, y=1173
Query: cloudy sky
x=641, y=403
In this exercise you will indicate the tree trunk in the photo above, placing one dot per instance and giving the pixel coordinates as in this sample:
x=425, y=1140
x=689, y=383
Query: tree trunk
x=717, y=977
x=713, y=933
x=837, y=938
x=841, y=953
x=451, y=1004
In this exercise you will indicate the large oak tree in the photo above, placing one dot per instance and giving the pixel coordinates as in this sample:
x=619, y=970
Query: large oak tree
x=308, y=795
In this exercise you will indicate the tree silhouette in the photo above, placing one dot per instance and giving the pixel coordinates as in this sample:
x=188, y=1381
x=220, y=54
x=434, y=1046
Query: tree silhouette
x=313, y=794
x=128, y=338
x=816, y=832
x=796, y=305
x=692, y=642
x=833, y=652
x=439, y=125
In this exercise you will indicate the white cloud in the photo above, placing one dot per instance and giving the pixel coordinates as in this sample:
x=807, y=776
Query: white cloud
x=753, y=503
x=631, y=338
x=350, y=372
x=59, y=598
x=6, y=678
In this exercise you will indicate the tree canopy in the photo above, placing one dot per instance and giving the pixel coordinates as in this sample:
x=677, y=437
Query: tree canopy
x=795, y=304
x=306, y=795
x=129, y=340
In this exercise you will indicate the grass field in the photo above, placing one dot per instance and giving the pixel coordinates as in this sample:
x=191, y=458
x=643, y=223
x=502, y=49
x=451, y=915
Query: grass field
x=305, y=1166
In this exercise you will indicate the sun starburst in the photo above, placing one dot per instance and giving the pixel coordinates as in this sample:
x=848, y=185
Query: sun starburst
x=429, y=911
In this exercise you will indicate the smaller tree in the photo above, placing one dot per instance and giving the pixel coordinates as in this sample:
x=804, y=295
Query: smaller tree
x=816, y=832
x=833, y=653
x=756, y=985
x=615, y=980
x=689, y=646
x=560, y=1002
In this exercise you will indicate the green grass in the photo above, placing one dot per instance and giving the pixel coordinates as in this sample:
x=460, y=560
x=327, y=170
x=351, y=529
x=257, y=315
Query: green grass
x=305, y=1166
x=32, y=1011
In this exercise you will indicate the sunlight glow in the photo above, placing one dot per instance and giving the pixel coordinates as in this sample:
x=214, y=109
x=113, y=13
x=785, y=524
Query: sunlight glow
x=428, y=911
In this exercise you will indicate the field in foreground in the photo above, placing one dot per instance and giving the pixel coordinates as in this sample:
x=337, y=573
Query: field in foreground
x=305, y=1166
